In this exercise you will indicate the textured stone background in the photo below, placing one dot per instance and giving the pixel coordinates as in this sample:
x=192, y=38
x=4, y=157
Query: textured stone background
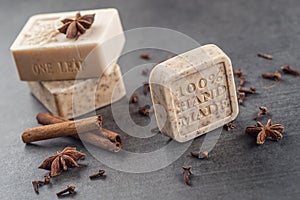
x=236, y=169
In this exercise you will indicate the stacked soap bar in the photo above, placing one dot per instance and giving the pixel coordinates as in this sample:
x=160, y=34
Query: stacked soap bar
x=194, y=93
x=72, y=98
x=57, y=67
x=41, y=52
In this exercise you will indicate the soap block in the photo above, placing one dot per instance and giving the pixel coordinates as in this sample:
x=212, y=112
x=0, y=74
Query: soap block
x=72, y=98
x=194, y=93
x=42, y=53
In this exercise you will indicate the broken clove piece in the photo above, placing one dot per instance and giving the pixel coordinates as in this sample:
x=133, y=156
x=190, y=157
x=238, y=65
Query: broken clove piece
x=200, y=155
x=265, y=56
x=241, y=98
x=262, y=111
x=275, y=76
x=134, y=98
x=146, y=88
x=229, y=126
x=145, y=56
x=99, y=174
x=252, y=90
x=187, y=171
x=286, y=69
x=238, y=72
x=145, y=110
x=70, y=189
x=242, y=81
x=37, y=184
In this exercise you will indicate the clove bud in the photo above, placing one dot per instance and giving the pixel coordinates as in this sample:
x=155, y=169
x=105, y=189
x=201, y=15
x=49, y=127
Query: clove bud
x=262, y=111
x=242, y=96
x=187, y=171
x=145, y=56
x=238, y=72
x=200, y=155
x=37, y=184
x=286, y=69
x=70, y=189
x=265, y=56
x=275, y=76
x=99, y=174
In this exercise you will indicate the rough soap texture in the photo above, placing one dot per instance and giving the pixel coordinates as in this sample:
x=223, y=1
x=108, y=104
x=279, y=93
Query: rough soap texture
x=73, y=98
x=41, y=53
x=194, y=93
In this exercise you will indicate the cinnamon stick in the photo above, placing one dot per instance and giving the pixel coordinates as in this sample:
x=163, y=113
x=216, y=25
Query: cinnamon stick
x=112, y=136
x=46, y=118
x=111, y=142
x=99, y=141
x=62, y=129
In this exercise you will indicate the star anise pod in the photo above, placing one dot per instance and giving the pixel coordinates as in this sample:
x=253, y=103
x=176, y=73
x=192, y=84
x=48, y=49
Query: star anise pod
x=75, y=27
x=262, y=132
x=62, y=161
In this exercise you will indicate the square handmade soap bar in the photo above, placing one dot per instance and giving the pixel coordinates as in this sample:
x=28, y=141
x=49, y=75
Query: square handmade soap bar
x=194, y=93
x=42, y=53
x=71, y=98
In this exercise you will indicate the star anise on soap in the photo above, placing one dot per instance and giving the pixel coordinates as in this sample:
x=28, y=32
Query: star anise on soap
x=63, y=160
x=261, y=132
x=75, y=27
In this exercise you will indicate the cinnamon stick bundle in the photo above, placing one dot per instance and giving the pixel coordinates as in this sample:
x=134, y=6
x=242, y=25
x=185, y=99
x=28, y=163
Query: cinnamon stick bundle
x=63, y=129
x=111, y=142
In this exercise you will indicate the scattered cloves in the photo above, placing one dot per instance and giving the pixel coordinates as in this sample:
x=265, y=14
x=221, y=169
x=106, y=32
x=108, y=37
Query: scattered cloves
x=99, y=174
x=265, y=56
x=238, y=72
x=286, y=69
x=145, y=56
x=145, y=110
x=272, y=76
x=200, y=155
x=36, y=184
x=70, y=189
x=262, y=111
x=134, y=98
x=187, y=171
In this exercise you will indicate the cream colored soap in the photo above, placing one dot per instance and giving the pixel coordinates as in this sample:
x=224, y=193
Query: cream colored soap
x=71, y=98
x=42, y=53
x=194, y=93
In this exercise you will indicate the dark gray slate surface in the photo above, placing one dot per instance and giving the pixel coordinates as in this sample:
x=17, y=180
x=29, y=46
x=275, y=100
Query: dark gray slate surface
x=236, y=169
